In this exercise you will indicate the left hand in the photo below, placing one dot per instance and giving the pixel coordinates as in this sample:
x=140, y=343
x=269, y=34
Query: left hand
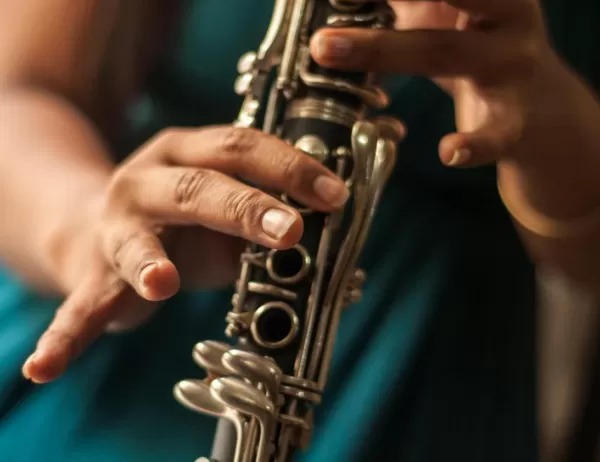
x=488, y=54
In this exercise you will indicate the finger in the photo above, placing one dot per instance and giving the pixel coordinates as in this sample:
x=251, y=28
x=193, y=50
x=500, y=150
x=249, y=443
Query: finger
x=485, y=146
x=256, y=157
x=497, y=10
x=215, y=201
x=138, y=257
x=490, y=9
x=437, y=53
x=77, y=323
x=425, y=15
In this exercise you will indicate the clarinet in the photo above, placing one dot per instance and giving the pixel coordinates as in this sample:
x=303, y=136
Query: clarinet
x=287, y=304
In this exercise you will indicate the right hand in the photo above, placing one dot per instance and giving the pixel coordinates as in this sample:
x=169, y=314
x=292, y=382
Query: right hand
x=174, y=214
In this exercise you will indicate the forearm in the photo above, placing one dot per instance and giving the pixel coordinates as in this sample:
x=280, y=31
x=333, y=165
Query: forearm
x=52, y=162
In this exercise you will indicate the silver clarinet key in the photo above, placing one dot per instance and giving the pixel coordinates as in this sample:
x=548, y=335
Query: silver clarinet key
x=257, y=369
x=246, y=399
x=197, y=396
x=209, y=355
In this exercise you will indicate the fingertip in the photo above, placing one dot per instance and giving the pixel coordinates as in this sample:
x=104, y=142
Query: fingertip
x=459, y=158
x=159, y=281
x=282, y=228
x=331, y=47
x=294, y=234
x=454, y=152
x=42, y=368
x=316, y=44
x=482, y=147
x=332, y=191
x=26, y=370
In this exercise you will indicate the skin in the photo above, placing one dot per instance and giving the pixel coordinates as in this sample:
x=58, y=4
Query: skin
x=98, y=232
x=140, y=224
x=517, y=104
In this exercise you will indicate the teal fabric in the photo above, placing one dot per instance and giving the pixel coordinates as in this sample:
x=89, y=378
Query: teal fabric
x=435, y=363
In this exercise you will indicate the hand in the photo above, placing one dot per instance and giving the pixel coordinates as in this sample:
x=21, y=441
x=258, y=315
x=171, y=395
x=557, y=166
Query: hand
x=485, y=53
x=174, y=214
x=517, y=105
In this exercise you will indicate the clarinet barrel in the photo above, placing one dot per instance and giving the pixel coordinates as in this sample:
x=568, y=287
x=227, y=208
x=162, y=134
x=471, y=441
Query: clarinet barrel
x=264, y=386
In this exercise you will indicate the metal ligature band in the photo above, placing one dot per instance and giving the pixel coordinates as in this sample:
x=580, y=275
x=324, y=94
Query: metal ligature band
x=288, y=303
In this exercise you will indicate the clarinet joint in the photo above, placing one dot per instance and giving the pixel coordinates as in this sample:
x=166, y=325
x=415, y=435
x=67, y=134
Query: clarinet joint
x=288, y=303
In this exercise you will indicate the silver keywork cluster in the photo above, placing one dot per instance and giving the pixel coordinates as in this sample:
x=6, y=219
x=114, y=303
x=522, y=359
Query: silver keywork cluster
x=270, y=410
x=250, y=404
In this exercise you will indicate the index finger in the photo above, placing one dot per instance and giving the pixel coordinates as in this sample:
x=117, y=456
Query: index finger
x=257, y=157
x=80, y=320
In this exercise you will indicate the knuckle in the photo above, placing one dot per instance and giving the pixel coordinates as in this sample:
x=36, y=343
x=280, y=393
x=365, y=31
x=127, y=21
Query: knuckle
x=378, y=46
x=245, y=209
x=89, y=317
x=168, y=136
x=292, y=169
x=189, y=186
x=525, y=58
x=529, y=14
x=119, y=186
x=238, y=140
x=165, y=141
x=120, y=251
x=119, y=193
x=373, y=49
x=147, y=258
x=66, y=340
x=63, y=339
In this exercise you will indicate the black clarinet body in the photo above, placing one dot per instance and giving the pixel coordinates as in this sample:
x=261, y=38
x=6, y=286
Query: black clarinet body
x=287, y=303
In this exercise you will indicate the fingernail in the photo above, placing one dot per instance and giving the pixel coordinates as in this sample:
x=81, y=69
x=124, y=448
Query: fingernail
x=146, y=272
x=276, y=223
x=27, y=363
x=459, y=157
x=332, y=191
x=332, y=47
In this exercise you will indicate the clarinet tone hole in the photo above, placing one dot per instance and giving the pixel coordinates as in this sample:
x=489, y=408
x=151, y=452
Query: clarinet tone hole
x=275, y=325
x=288, y=266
